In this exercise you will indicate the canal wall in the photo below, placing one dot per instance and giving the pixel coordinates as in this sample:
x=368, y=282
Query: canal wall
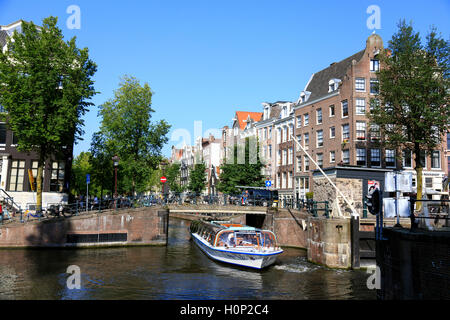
x=327, y=241
x=414, y=264
x=140, y=226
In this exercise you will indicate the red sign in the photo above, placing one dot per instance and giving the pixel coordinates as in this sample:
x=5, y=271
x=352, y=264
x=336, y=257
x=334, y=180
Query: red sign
x=163, y=179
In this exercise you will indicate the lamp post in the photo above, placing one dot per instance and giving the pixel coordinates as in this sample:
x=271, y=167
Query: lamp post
x=115, y=160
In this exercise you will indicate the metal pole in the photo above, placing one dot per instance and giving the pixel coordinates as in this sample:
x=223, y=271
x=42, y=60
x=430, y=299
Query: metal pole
x=354, y=213
x=115, y=187
x=87, y=196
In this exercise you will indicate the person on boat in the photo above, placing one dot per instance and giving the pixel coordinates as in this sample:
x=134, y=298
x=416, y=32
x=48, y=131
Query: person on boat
x=230, y=240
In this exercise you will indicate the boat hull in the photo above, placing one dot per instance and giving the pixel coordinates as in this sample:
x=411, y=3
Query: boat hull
x=240, y=258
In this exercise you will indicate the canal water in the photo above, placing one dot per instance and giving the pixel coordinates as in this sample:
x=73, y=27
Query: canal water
x=178, y=271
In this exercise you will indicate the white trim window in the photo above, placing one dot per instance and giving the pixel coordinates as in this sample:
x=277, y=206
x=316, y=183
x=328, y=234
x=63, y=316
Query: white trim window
x=390, y=158
x=299, y=121
x=360, y=157
x=299, y=139
x=332, y=132
x=360, y=84
x=320, y=160
x=319, y=138
x=407, y=159
x=435, y=159
x=306, y=138
x=346, y=156
x=375, y=158
x=374, y=65
x=319, y=116
x=345, y=132
x=332, y=156
x=305, y=119
x=332, y=110
x=344, y=109
x=284, y=157
x=291, y=155
x=360, y=106
x=360, y=130
x=299, y=163
x=306, y=159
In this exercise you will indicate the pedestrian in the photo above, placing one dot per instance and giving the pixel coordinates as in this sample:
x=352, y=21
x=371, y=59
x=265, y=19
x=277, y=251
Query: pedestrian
x=95, y=204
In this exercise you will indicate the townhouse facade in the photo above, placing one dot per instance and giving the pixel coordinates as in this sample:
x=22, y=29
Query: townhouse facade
x=15, y=165
x=331, y=123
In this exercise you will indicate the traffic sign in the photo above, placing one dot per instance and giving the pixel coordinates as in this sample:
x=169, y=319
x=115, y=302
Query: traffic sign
x=268, y=183
x=163, y=179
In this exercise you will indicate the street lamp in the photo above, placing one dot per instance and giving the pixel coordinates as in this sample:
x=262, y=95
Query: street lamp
x=115, y=160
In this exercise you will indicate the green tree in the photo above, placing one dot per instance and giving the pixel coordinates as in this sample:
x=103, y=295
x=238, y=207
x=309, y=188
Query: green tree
x=127, y=130
x=173, y=177
x=248, y=173
x=412, y=106
x=101, y=165
x=197, y=178
x=45, y=86
x=80, y=167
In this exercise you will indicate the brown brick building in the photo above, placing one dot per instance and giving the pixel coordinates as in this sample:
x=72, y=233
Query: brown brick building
x=331, y=123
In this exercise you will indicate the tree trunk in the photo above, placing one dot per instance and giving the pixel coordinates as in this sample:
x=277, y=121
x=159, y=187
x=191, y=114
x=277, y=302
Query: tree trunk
x=39, y=187
x=419, y=170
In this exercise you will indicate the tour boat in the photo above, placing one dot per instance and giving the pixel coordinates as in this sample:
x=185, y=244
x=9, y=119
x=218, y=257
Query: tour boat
x=235, y=243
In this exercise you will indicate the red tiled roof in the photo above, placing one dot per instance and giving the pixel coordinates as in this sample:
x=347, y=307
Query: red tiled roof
x=242, y=116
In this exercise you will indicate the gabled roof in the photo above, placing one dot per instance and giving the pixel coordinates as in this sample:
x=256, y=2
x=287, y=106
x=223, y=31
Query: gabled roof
x=318, y=85
x=242, y=117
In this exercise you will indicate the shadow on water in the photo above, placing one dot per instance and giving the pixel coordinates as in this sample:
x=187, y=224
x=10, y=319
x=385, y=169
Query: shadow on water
x=46, y=259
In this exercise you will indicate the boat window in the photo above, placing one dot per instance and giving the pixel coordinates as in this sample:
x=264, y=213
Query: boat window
x=268, y=240
x=226, y=238
x=247, y=239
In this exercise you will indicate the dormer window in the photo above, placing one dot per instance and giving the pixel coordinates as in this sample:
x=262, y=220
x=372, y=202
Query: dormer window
x=333, y=85
x=304, y=96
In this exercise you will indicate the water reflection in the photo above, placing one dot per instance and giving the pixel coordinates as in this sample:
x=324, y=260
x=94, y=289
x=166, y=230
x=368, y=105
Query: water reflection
x=177, y=271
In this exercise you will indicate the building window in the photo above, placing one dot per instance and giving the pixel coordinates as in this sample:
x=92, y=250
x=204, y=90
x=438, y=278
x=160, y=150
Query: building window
x=361, y=157
x=306, y=163
x=57, y=176
x=319, y=138
x=407, y=159
x=374, y=65
x=360, y=106
x=306, y=138
x=284, y=157
x=270, y=151
x=285, y=134
x=375, y=158
x=423, y=158
x=448, y=141
x=332, y=111
x=17, y=175
x=332, y=156
x=289, y=179
x=279, y=158
x=299, y=139
x=360, y=130
x=374, y=86
x=429, y=183
x=306, y=119
x=3, y=133
x=320, y=160
x=279, y=135
x=291, y=132
x=299, y=121
x=345, y=132
x=291, y=155
x=344, y=108
x=299, y=164
x=332, y=132
x=390, y=158
x=360, y=84
x=435, y=159
x=346, y=156
x=319, y=116
x=374, y=103
x=283, y=180
x=374, y=132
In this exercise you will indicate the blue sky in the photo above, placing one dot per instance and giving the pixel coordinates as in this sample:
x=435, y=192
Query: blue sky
x=204, y=60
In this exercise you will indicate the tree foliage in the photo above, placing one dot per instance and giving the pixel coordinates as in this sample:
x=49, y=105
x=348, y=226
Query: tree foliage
x=248, y=173
x=197, y=178
x=173, y=177
x=45, y=86
x=126, y=130
x=412, y=106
